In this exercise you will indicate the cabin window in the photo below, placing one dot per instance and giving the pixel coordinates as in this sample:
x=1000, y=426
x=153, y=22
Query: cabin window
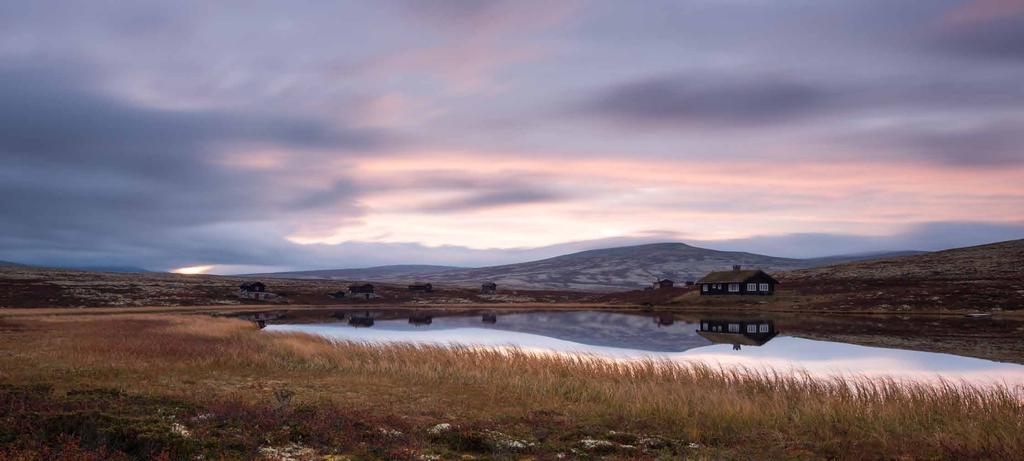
x=734, y=328
x=764, y=287
x=764, y=328
x=704, y=326
x=752, y=328
x=734, y=288
x=751, y=287
x=704, y=287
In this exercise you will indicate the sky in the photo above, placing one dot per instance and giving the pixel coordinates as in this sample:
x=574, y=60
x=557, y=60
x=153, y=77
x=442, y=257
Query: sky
x=236, y=137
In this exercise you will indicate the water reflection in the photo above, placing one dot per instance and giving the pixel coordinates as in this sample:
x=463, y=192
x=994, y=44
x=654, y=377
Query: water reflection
x=737, y=332
x=628, y=336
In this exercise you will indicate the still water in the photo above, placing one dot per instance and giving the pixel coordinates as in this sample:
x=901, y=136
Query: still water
x=721, y=341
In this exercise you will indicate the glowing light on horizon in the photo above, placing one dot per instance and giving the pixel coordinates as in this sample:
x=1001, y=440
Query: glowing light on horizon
x=192, y=270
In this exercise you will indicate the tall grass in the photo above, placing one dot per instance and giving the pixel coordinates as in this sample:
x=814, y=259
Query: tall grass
x=738, y=409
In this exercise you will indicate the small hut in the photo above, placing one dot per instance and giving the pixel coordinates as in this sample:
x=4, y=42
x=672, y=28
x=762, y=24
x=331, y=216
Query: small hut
x=488, y=288
x=665, y=283
x=421, y=287
x=364, y=291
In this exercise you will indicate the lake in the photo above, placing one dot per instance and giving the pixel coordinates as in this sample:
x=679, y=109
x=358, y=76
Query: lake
x=719, y=339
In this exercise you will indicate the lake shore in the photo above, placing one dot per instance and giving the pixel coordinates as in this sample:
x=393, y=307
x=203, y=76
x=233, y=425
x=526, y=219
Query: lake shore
x=151, y=383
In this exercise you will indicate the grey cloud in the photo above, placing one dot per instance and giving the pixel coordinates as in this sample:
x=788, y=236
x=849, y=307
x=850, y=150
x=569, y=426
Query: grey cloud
x=997, y=38
x=717, y=100
x=493, y=199
x=702, y=100
x=985, y=145
x=87, y=174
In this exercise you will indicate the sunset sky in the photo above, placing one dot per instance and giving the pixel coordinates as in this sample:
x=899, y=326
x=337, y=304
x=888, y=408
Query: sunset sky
x=249, y=136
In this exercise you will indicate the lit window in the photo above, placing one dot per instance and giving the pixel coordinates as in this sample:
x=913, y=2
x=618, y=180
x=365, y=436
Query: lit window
x=734, y=328
x=734, y=288
x=704, y=326
x=704, y=287
x=764, y=287
x=751, y=287
x=764, y=328
x=751, y=328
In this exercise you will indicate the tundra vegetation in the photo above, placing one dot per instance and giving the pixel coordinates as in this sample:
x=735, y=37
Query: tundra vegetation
x=178, y=386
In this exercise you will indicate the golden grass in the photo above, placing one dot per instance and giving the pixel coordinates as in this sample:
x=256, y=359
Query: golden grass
x=732, y=412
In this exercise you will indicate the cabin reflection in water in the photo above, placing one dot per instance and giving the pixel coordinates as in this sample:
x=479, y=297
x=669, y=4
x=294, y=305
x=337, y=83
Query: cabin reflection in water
x=489, y=318
x=664, y=320
x=421, y=319
x=357, y=320
x=737, y=332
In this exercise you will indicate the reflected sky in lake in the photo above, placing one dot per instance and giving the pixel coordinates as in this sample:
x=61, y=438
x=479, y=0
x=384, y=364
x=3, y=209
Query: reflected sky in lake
x=627, y=336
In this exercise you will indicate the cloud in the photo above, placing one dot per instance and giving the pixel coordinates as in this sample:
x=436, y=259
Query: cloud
x=88, y=173
x=686, y=100
x=988, y=29
x=985, y=145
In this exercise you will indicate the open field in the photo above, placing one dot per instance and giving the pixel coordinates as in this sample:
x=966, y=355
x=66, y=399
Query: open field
x=178, y=385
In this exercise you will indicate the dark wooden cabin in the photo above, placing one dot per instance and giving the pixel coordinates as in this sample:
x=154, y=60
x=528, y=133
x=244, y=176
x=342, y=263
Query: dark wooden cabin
x=364, y=291
x=666, y=283
x=253, y=287
x=421, y=287
x=489, y=318
x=737, y=282
x=488, y=288
x=737, y=332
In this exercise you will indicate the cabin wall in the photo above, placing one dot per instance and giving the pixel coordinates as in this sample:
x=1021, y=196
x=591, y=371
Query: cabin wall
x=723, y=289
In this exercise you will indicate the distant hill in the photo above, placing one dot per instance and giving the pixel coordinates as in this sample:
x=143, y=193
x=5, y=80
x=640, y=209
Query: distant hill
x=400, y=272
x=839, y=259
x=609, y=269
x=995, y=261
x=10, y=264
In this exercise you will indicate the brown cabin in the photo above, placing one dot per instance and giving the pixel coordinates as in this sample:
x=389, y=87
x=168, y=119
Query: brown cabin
x=421, y=287
x=666, y=283
x=364, y=291
x=488, y=287
x=737, y=332
x=737, y=282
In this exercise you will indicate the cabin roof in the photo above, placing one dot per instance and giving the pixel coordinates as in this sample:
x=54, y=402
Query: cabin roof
x=734, y=276
x=744, y=339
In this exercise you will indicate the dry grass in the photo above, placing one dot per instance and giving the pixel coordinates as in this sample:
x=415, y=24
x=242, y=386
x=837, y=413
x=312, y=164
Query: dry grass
x=260, y=382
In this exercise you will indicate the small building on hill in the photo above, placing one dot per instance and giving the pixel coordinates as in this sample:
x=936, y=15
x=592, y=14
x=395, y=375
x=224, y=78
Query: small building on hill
x=488, y=288
x=737, y=332
x=253, y=287
x=364, y=291
x=666, y=283
x=421, y=287
x=737, y=282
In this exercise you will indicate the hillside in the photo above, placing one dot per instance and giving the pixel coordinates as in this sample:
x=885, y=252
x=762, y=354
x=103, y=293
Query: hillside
x=981, y=277
x=616, y=268
x=995, y=261
x=399, y=272
x=602, y=270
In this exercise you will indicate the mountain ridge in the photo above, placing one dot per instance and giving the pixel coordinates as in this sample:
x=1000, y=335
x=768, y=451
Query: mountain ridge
x=603, y=269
